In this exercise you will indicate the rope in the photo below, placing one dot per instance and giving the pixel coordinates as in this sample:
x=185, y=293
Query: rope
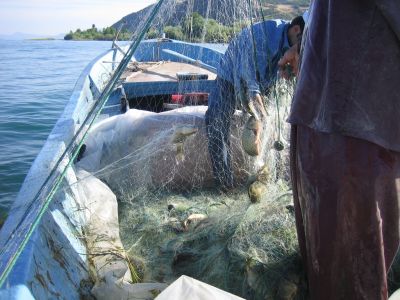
x=100, y=105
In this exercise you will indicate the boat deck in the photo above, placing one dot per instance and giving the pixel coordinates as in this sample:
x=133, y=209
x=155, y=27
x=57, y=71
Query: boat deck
x=162, y=71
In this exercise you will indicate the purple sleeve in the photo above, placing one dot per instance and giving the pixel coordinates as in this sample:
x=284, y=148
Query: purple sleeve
x=390, y=9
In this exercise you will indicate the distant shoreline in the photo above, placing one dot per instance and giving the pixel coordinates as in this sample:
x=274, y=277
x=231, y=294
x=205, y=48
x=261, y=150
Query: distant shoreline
x=92, y=40
x=42, y=39
x=94, y=34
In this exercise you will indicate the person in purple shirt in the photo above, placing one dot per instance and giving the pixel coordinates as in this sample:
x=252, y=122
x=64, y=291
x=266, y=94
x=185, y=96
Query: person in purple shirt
x=246, y=71
x=345, y=147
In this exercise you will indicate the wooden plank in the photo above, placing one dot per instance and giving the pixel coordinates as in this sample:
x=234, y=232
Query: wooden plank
x=164, y=71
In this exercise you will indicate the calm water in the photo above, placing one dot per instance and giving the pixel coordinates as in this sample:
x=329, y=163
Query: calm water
x=36, y=81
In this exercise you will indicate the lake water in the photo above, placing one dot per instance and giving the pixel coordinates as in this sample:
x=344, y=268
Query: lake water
x=36, y=81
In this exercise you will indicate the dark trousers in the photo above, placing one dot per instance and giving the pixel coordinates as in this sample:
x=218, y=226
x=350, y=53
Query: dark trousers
x=221, y=107
x=347, y=213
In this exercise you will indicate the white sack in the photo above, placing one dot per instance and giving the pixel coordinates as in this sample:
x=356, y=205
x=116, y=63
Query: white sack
x=138, y=148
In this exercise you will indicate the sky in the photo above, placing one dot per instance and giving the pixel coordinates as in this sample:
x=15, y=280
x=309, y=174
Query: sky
x=52, y=17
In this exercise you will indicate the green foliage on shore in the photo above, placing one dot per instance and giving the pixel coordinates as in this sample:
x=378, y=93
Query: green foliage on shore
x=195, y=28
x=106, y=34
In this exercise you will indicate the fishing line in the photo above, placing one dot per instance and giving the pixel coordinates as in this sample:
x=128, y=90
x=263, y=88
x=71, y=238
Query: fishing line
x=57, y=181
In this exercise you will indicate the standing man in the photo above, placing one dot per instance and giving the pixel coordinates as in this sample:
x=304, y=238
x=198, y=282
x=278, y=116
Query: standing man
x=345, y=147
x=246, y=71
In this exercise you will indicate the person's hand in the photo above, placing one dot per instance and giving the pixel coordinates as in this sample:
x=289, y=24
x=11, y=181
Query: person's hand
x=256, y=107
x=289, y=63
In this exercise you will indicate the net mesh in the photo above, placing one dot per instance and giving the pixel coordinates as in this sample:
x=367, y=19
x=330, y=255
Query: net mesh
x=156, y=157
x=174, y=221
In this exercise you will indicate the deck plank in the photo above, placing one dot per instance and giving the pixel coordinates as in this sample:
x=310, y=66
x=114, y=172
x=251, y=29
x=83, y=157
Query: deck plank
x=162, y=71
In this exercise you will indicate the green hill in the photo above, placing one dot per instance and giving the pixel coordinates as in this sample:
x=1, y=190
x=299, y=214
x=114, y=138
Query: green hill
x=176, y=20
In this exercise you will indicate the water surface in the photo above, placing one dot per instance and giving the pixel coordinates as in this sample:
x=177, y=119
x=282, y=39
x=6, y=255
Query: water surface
x=36, y=81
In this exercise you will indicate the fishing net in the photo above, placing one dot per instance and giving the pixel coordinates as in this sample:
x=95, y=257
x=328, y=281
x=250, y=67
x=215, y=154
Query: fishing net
x=201, y=179
x=173, y=221
x=148, y=146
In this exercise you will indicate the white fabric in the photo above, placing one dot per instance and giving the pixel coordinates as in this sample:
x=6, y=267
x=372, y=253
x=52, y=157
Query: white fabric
x=188, y=288
x=395, y=295
x=140, y=146
x=107, y=255
x=114, y=138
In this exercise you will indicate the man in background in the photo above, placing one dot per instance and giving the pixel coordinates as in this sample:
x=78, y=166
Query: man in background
x=345, y=147
x=246, y=71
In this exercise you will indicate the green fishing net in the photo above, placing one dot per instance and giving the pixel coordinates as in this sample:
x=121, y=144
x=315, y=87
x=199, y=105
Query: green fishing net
x=178, y=224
